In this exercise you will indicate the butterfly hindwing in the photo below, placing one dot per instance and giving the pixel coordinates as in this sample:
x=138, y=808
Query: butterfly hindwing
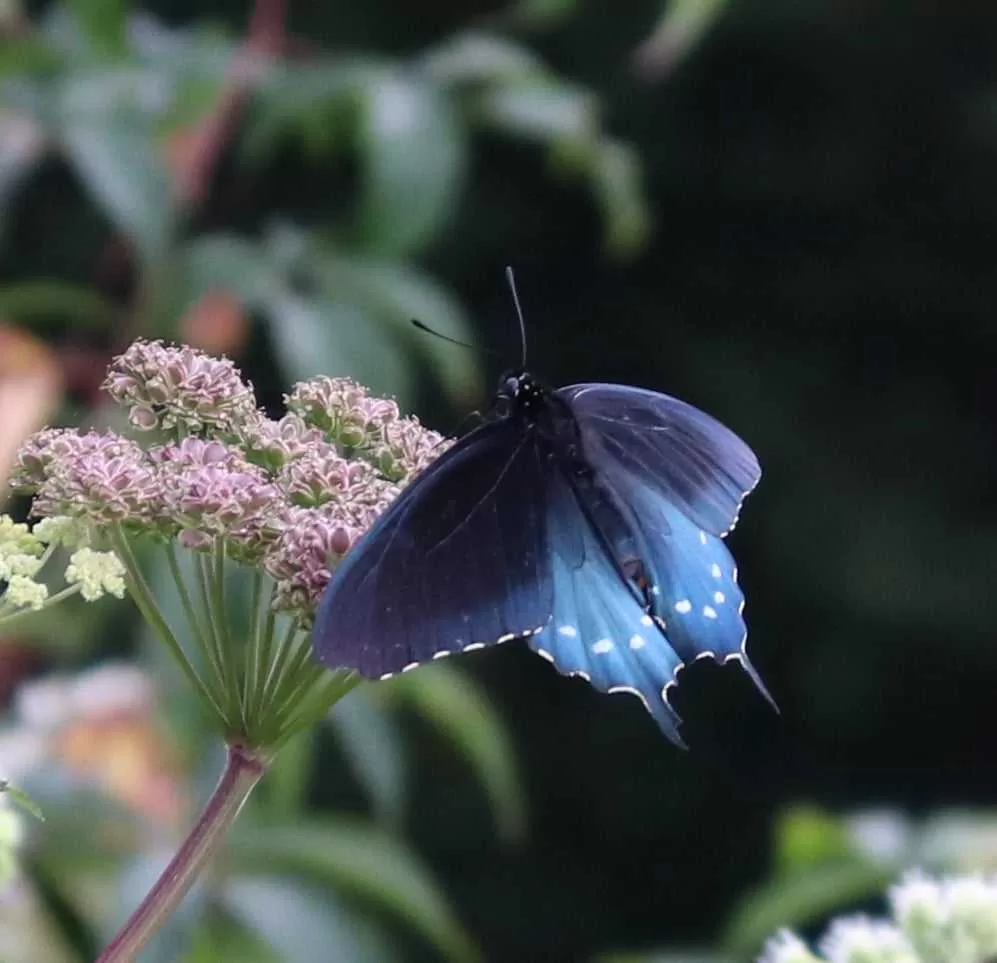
x=599, y=629
x=691, y=460
x=459, y=560
x=691, y=577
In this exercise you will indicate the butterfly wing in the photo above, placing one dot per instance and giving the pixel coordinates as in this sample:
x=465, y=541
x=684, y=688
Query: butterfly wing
x=693, y=461
x=458, y=561
x=599, y=629
x=678, y=477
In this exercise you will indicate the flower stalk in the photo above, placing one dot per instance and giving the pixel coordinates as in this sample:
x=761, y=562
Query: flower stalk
x=223, y=497
x=243, y=770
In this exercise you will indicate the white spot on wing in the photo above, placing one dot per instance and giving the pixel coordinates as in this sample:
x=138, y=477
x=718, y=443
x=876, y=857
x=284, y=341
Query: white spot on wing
x=637, y=642
x=709, y=612
x=569, y=631
x=602, y=647
x=646, y=620
x=719, y=598
x=702, y=538
x=715, y=571
x=683, y=606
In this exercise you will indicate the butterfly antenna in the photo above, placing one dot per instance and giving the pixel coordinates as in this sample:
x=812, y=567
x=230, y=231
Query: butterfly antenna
x=446, y=337
x=511, y=278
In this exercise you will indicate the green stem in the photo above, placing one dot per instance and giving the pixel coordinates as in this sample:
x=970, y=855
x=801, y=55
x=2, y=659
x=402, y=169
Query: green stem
x=213, y=634
x=252, y=670
x=300, y=670
x=243, y=770
x=230, y=661
x=263, y=666
x=276, y=668
x=9, y=614
x=191, y=613
x=146, y=604
x=316, y=704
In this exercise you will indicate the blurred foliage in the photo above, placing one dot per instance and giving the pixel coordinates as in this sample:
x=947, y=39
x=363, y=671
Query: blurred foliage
x=820, y=177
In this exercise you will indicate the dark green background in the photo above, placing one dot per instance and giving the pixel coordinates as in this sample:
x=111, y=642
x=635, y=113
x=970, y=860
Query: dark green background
x=823, y=177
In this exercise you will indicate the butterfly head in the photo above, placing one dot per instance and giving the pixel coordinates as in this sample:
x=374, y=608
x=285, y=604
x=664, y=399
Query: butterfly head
x=519, y=395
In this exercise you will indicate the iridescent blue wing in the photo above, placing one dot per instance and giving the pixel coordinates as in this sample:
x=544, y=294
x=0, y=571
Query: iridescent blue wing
x=458, y=561
x=599, y=629
x=678, y=478
x=691, y=460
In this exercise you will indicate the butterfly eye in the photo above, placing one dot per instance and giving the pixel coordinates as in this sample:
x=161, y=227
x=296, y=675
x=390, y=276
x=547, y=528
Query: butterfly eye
x=502, y=406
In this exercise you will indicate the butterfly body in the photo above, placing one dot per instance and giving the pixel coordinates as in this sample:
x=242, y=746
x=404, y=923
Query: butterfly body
x=588, y=520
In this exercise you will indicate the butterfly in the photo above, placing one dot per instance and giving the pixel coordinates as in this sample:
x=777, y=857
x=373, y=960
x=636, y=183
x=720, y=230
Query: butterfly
x=587, y=520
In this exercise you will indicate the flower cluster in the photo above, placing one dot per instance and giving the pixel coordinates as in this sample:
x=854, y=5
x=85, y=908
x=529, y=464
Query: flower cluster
x=290, y=495
x=948, y=920
x=24, y=552
x=169, y=389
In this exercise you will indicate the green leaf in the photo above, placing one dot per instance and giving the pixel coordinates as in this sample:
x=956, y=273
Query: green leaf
x=319, y=336
x=682, y=24
x=29, y=302
x=352, y=856
x=119, y=166
x=371, y=740
x=807, y=836
x=665, y=956
x=22, y=800
x=230, y=263
x=318, y=101
x=301, y=925
x=104, y=24
x=475, y=57
x=413, y=159
x=542, y=13
x=222, y=938
x=618, y=182
x=448, y=698
x=393, y=295
x=796, y=899
x=543, y=111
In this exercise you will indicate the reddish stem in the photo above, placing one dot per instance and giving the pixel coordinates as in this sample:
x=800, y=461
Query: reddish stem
x=242, y=772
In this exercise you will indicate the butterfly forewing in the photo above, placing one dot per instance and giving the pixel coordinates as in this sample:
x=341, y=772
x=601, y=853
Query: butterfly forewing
x=459, y=560
x=691, y=460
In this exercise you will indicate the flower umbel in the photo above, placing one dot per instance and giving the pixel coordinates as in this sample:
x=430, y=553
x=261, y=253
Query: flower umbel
x=947, y=920
x=222, y=493
x=25, y=552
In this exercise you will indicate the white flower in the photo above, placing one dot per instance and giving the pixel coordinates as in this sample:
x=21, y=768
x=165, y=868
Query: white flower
x=96, y=573
x=787, y=947
x=858, y=939
x=62, y=530
x=23, y=592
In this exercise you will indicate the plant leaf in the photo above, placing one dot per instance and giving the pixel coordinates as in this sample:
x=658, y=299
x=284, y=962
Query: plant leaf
x=413, y=156
x=353, y=856
x=300, y=924
x=618, y=182
x=22, y=800
x=545, y=111
x=473, y=57
x=393, y=295
x=103, y=23
x=32, y=301
x=795, y=899
x=371, y=740
x=459, y=709
x=120, y=168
